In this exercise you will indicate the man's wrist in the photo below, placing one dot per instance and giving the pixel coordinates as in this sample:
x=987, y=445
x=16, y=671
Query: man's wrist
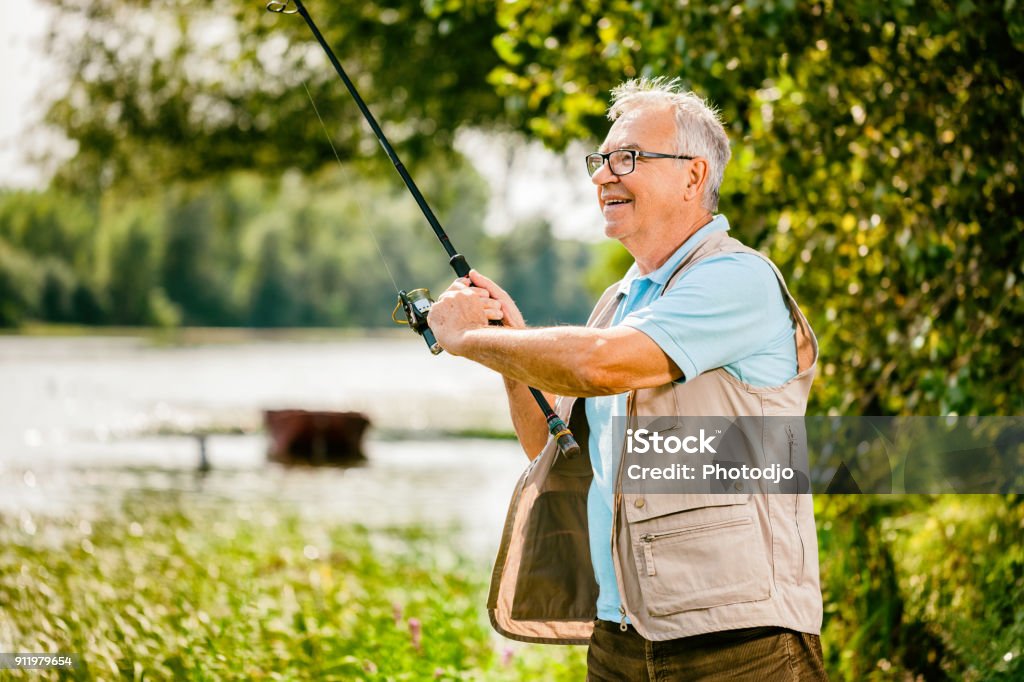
x=457, y=343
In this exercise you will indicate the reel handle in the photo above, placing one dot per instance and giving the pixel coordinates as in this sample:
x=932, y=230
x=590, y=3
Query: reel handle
x=432, y=344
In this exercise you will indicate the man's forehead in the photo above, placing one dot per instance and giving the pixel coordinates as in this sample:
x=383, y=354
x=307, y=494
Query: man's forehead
x=608, y=145
x=640, y=127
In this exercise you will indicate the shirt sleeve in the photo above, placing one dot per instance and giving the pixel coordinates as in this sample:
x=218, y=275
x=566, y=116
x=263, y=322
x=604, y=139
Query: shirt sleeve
x=725, y=309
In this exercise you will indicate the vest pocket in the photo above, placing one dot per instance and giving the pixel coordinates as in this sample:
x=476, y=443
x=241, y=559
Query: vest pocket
x=556, y=579
x=700, y=565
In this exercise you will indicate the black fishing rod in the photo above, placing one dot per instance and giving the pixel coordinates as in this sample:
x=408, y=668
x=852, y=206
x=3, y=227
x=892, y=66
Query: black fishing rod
x=416, y=303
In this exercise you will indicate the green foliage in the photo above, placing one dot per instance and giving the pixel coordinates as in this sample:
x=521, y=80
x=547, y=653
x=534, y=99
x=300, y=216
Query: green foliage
x=161, y=91
x=19, y=285
x=173, y=588
x=922, y=586
x=47, y=258
x=877, y=153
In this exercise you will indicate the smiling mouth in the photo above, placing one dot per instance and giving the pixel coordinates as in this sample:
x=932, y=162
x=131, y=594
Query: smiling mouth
x=617, y=202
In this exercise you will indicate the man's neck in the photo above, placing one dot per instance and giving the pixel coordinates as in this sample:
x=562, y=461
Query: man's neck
x=663, y=249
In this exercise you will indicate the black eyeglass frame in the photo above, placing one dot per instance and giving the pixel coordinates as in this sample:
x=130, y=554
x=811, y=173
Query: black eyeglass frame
x=633, y=153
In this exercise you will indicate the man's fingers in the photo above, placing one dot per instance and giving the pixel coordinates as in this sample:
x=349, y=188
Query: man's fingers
x=491, y=307
x=456, y=289
x=486, y=284
x=457, y=285
x=510, y=313
x=493, y=310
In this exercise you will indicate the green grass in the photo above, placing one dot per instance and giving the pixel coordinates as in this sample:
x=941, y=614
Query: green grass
x=180, y=586
x=175, y=587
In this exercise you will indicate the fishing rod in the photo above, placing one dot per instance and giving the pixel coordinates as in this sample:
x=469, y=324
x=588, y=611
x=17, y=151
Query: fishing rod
x=416, y=303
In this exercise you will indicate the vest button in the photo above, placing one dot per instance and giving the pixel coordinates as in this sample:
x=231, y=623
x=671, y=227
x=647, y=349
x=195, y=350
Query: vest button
x=638, y=503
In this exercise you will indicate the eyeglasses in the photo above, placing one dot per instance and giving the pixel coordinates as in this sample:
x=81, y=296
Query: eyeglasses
x=623, y=161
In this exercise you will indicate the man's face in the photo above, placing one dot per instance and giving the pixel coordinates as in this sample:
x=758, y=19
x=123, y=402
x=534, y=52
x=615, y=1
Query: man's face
x=647, y=202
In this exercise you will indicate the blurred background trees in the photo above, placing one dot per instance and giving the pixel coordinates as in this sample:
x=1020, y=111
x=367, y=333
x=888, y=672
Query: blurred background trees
x=877, y=153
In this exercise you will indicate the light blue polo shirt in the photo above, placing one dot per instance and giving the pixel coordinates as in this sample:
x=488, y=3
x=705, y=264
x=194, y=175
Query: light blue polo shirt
x=726, y=311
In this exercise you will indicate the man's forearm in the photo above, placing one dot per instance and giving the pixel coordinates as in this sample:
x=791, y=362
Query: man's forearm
x=559, y=360
x=527, y=418
x=569, y=361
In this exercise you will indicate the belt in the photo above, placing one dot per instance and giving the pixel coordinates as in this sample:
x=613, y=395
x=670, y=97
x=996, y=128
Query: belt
x=710, y=638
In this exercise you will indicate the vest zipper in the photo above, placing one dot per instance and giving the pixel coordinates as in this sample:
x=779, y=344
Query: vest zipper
x=615, y=509
x=651, y=537
x=648, y=539
x=796, y=507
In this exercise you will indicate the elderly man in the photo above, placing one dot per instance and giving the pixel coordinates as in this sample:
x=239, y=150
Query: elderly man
x=662, y=587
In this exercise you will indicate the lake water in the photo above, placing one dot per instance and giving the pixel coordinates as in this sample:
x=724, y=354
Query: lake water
x=86, y=420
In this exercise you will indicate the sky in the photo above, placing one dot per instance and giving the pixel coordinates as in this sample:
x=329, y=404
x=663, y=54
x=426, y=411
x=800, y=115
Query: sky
x=24, y=73
x=526, y=180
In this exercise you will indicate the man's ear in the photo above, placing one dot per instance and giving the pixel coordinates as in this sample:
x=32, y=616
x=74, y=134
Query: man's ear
x=696, y=176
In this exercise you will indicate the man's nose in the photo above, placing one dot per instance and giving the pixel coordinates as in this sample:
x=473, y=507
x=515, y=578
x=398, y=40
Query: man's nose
x=603, y=176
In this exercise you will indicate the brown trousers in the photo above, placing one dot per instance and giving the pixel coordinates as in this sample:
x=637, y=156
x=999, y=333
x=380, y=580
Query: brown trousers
x=764, y=654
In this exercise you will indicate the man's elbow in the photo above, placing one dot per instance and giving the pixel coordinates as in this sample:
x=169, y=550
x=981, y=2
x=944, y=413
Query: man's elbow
x=603, y=370
x=595, y=376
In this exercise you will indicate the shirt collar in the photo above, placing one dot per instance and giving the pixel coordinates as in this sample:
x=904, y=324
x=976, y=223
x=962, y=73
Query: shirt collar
x=661, y=276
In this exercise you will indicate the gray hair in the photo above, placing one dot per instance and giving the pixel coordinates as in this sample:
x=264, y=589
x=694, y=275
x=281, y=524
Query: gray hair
x=699, y=130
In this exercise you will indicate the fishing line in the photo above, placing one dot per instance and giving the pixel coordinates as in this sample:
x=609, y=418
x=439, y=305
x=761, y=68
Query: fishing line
x=337, y=157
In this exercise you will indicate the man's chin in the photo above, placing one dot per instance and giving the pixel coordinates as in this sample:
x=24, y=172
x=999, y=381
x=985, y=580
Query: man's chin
x=614, y=230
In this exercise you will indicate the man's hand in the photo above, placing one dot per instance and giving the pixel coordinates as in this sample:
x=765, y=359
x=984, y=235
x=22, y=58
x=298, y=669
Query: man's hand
x=462, y=308
x=511, y=316
x=468, y=305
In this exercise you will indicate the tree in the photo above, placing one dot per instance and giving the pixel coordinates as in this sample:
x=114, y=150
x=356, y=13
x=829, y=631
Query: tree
x=160, y=90
x=19, y=285
x=877, y=153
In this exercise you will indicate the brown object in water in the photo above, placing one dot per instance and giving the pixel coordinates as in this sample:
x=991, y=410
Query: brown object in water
x=317, y=438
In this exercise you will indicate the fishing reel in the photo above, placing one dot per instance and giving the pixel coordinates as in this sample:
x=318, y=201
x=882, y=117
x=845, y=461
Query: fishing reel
x=416, y=305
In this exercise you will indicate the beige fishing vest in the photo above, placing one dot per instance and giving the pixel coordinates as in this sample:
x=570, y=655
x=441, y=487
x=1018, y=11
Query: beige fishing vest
x=751, y=561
